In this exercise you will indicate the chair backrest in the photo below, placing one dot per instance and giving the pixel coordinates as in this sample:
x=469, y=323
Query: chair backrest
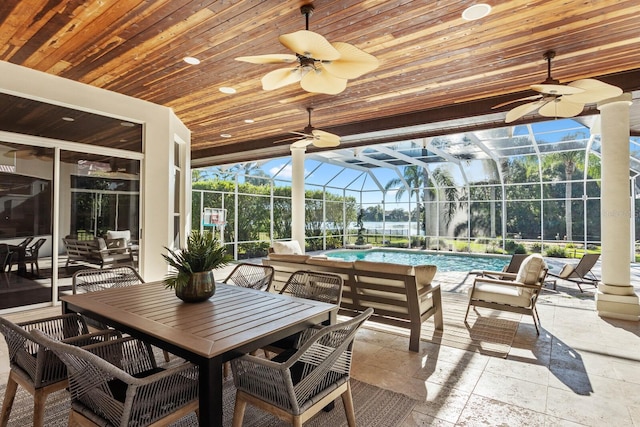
x=91, y=280
x=585, y=264
x=515, y=263
x=326, y=356
x=4, y=255
x=25, y=242
x=33, y=249
x=531, y=269
x=29, y=354
x=315, y=285
x=254, y=276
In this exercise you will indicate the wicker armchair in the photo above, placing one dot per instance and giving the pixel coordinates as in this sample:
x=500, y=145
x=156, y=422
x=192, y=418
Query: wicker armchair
x=314, y=285
x=92, y=280
x=296, y=389
x=33, y=366
x=119, y=383
x=254, y=276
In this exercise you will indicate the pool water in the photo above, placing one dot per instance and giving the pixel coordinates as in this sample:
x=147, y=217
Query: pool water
x=444, y=261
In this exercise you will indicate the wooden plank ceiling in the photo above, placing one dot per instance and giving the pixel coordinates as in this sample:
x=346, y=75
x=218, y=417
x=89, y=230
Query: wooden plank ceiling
x=434, y=65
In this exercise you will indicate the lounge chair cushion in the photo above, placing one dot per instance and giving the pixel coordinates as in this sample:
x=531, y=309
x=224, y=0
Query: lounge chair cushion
x=501, y=294
x=292, y=247
x=529, y=272
x=566, y=271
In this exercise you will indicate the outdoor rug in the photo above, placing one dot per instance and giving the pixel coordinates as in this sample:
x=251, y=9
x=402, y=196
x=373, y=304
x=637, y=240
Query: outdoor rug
x=487, y=331
x=374, y=407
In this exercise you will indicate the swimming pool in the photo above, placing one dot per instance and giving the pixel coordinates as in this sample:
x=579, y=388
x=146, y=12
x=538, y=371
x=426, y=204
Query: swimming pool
x=444, y=261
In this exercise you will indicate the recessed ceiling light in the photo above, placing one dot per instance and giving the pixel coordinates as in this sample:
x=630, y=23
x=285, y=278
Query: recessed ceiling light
x=191, y=60
x=228, y=90
x=225, y=135
x=248, y=120
x=477, y=11
x=68, y=119
x=127, y=124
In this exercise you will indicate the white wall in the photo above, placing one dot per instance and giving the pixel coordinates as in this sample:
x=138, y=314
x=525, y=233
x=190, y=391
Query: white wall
x=161, y=128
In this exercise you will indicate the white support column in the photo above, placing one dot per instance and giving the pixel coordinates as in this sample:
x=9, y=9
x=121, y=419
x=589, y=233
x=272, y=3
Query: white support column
x=615, y=297
x=297, y=195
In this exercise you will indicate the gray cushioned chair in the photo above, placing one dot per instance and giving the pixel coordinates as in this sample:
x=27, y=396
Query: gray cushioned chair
x=300, y=386
x=118, y=383
x=33, y=366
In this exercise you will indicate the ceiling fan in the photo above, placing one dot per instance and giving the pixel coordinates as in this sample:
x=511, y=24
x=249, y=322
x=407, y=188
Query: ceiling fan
x=320, y=66
x=311, y=135
x=561, y=100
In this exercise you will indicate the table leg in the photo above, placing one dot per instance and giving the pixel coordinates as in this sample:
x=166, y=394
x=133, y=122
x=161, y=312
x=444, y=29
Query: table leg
x=211, y=392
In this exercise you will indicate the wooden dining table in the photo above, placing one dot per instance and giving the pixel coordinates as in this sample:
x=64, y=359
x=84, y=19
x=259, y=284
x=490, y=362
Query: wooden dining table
x=233, y=322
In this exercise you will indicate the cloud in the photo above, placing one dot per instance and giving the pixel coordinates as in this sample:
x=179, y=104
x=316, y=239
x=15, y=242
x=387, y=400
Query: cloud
x=282, y=172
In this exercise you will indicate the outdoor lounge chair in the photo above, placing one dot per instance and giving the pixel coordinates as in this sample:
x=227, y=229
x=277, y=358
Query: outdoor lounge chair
x=512, y=267
x=518, y=295
x=580, y=273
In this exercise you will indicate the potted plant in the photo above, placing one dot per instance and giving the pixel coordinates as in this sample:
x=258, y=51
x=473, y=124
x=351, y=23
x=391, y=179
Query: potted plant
x=192, y=275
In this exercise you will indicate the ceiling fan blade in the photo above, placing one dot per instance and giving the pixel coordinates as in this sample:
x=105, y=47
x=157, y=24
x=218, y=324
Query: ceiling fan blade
x=553, y=89
x=302, y=143
x=275, y=58
x=321, y=81
x=594, y=91
x=309, y=44
x=306, y=135
x=560, y=107
x=293, y=138
x=528, y=98
x=523, y=110
x=352, y=63
x=324, y=139
x=280, y=78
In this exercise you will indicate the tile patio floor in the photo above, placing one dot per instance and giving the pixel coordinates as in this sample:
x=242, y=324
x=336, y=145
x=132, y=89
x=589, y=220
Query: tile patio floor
x=581, y=370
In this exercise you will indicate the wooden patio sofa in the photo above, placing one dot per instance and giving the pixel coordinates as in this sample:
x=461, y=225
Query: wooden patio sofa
x=401, y=295
x=98, y=251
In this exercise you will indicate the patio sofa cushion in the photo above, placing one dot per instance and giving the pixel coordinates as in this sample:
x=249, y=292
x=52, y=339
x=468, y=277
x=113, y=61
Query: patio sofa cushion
x=121, y=234
x=290, y=257
x=328, y=262
x=292, y=247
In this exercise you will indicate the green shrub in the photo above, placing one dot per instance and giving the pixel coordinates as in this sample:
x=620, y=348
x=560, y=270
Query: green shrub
x=535, y=248
x=519, y=249
x=556, y=252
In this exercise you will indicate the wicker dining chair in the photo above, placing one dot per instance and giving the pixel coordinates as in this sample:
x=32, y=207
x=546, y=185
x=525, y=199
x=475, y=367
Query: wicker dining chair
x=297, y=388
x=33, y=366
x=119, y=383
x=254, y=276
x=91, y=280
x=314, y=285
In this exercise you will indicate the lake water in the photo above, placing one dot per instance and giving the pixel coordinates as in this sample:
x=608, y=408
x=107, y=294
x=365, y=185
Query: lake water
x=444, y=261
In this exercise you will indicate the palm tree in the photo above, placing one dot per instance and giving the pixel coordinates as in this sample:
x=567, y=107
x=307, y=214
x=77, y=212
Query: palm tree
x=414, y=178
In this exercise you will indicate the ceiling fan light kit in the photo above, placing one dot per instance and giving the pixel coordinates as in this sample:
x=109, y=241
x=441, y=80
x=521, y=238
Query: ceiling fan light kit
x=561, y=100
x=319, y=65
